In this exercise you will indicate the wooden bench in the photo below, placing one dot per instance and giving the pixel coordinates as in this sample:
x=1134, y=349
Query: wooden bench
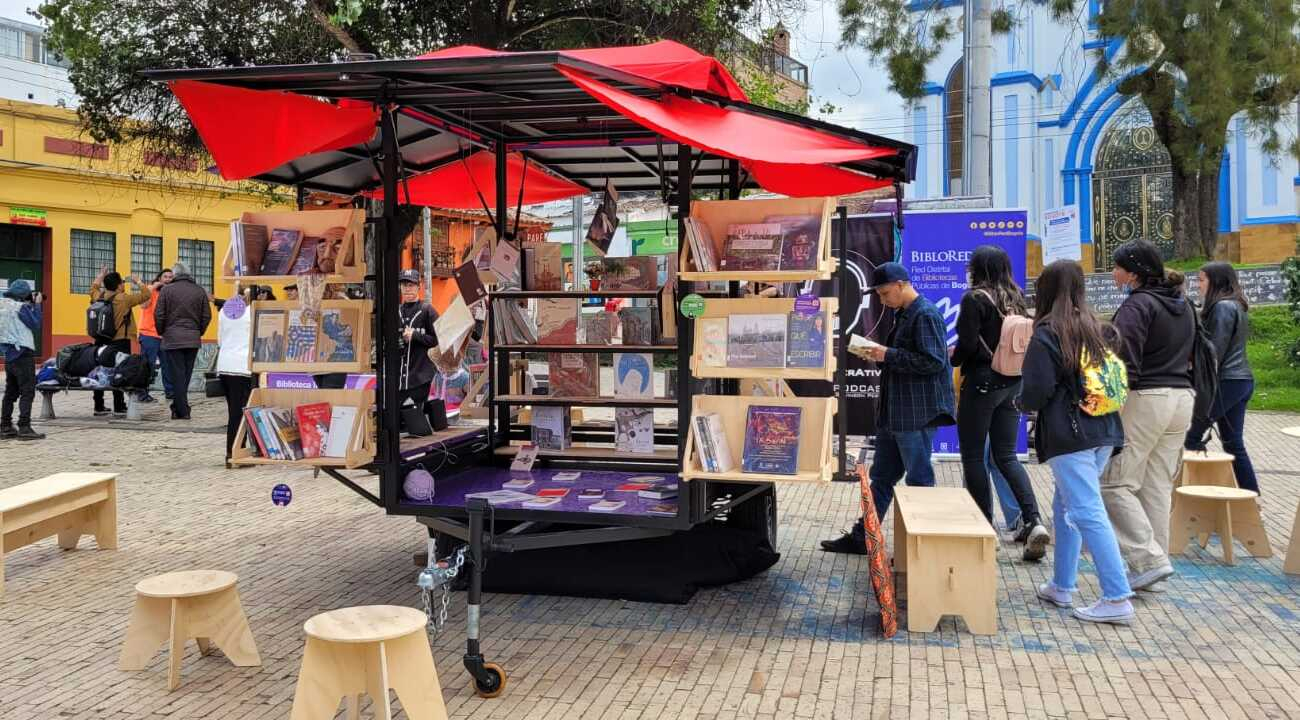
x=67, y=504
x=948, y=554
x=48, y=392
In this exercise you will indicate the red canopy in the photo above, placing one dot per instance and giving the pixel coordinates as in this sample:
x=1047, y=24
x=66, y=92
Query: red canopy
x=665, y=61
x=250, y=132
x=457, y=185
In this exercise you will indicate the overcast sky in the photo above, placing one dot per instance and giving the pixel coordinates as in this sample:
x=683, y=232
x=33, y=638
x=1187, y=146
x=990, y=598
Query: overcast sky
x=846, y=79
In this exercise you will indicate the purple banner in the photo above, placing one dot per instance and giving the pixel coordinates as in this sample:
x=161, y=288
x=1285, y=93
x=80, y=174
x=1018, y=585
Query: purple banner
x=289, y=381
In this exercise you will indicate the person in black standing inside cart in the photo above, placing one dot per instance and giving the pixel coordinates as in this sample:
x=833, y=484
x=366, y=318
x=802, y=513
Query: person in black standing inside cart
x=417, y=336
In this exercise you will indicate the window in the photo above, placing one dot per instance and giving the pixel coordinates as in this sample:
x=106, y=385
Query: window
x=146, y=257
x=954, y=128
x=197, y=255
x=91, y=250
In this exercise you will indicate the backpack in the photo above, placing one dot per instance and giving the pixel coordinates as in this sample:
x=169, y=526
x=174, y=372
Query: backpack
x=100, y=325
x=1013, y=341
x=1205, y=370
x=1105, y=384
x=133, y=372
x=71, y=360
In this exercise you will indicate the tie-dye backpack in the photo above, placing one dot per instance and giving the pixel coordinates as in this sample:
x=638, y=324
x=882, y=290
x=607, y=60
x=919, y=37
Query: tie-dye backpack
x=1105, y=384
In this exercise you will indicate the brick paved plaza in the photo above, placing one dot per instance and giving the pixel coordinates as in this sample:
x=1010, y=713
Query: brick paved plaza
x=801, y=640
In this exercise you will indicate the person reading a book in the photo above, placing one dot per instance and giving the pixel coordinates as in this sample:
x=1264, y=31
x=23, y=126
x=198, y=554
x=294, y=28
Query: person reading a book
x=417, y=318
x=916, y=394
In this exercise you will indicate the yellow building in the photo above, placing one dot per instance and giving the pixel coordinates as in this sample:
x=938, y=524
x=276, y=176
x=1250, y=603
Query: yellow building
x=69, y=205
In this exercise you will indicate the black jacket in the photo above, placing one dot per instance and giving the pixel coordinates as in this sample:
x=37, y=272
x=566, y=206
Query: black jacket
x=182, y=314
x=1157, y=329
x=1047, y=388
x=1228, y=327
x=418, y=368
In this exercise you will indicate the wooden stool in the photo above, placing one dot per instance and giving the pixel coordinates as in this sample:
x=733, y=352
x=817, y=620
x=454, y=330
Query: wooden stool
x=1292, y=564
x=1292, y=431
x=1200, y=511
x=367, y=650
x=1206, y=468
x=948, y=552
x=199, y=604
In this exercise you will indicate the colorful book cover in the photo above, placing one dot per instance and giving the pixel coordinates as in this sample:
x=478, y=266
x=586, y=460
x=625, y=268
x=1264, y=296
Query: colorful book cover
x=281, y=251
x=300, y=338
x=713, y=341
x=630, y=273
x=805, y=345
x=633, y=487
x=557, y=321
x=634, y=375
x=287, y=430
x=800, y=238
x=574, y=374
x=634, y=430
x=771, y=440
x=313, y=427
x=547, y=266
x=601, y=231
x=338, y=328
x=553, y=492
x=268, y=336
x=752, y=247
x=253, y=239
x=756, y=341
x=637, y=327
x=266, y=433
x=305, y=262
x=251, y=429
x=595, y=328
x=551, y=427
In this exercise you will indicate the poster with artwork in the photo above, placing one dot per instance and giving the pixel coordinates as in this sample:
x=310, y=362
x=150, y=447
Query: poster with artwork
x=337, y=335
x=268, y=336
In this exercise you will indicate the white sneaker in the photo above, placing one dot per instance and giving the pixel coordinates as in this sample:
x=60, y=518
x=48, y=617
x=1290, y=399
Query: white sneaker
x=1105, y=611
x=1145, y=580
x=1036, y=543
x=1048, y=592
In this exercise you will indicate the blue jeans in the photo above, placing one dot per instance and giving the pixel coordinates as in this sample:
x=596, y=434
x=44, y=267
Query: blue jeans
x=1230, y=419
x=1081, y=521
x=151, y=348
x=1006, y=497
x=898, y=453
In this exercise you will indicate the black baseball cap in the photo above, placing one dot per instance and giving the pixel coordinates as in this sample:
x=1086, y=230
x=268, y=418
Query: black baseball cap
x=409, y=276
x=889, y=272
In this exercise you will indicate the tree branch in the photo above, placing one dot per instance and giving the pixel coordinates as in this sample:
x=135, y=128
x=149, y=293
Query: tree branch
x=559, y=17
x=343, y=37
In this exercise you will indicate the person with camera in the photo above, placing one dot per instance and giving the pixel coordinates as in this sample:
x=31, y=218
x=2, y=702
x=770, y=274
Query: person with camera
x=112, y=288
x=20, y=321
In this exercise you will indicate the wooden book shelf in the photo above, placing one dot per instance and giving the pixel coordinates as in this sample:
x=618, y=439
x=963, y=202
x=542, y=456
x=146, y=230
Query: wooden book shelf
x=718, y=214
x=361, y=445
x=725, y=307
x=312, y=223
x=360, y=311
x=815, y=427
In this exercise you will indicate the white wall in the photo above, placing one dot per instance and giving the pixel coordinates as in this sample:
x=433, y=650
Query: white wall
x=35, y=82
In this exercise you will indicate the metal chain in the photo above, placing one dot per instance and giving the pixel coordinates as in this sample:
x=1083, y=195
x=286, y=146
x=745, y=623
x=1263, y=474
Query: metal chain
x=439, y=573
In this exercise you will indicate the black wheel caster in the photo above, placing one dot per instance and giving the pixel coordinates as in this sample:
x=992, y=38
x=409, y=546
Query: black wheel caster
x=493, y=683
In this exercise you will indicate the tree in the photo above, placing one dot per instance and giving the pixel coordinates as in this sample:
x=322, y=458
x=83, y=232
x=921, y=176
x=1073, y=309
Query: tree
x=108, y=42
x=1194, y=64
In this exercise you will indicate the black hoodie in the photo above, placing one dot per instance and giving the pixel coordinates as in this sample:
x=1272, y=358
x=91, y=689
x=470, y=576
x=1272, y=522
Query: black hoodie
x=1157, y=329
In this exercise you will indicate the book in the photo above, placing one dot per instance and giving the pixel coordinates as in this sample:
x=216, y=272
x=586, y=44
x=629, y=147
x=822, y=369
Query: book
x=251, y=430
x=601, y=231
x=591, y=494
x=305, y=262
x=752, y=247
x=565, y=477
x=281, y=251
x=662, y=509
x=665, y=492
x=805, y=341
x=468, y=282
x=553, y=492
x=504, y=265
x=711, y=444
x=502, y=497
x=637, y=327
x=756, y=341
x=266, y=433
x=253, y=241
x=557, y=321
x=525, y=458
x=800, y=238
x=287, y=430
x=633, y=487
x=544, y=265
x=342, y=418
x=453, y=325
x=713, y=341
x=338, y=328
x=646, y=479
x=517, y=483
x=551, y=428
x=703, y=250
x=607, y=505
x=268, y=336
x=634, y=430
x=771, y=440
x=630, y=273
x=300, y=338
x=574, y=374
x=313, y=427
x=330, y=253
x=595, y=328
x=859, y=346
x=634, y=375
x=542, y=502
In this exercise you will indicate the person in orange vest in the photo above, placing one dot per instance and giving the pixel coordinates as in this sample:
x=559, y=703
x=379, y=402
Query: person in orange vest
x=150, y=341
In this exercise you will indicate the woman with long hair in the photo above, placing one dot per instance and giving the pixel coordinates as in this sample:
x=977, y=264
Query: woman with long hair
x=986, y=411
x=1069, y=339
x=1157, y=327
x=1223, y=312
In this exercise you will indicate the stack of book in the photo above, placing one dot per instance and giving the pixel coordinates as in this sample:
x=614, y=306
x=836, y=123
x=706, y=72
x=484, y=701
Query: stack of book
x=285, y=251
x=702, y=247
x=303, y=431
x=512, y=324
x=711, y=443
x=780, y=242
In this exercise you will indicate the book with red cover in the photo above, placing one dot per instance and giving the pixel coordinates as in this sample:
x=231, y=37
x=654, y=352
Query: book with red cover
x=313, y=427
x=633, y=487
x=553, y=492
x=250, y=428
x=574, y=374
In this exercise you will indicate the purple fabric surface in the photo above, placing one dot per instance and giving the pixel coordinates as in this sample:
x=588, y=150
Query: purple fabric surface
x=450, y=491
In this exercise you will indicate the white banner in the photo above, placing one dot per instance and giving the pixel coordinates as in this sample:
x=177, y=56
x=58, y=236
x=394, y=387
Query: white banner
x=1061, y=234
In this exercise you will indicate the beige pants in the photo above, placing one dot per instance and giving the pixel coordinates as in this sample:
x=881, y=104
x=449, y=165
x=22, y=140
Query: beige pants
x=1138, y=483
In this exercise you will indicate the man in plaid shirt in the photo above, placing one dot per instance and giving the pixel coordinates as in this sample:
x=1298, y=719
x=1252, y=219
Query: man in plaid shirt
x=916, y=394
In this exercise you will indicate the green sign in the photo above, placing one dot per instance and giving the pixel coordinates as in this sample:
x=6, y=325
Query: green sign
x=693, y=306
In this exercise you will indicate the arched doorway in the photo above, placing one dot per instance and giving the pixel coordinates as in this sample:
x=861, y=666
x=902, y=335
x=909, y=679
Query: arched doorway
x=1132, y=187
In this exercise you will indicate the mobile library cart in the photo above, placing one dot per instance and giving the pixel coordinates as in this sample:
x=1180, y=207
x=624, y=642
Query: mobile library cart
x=468, y=127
